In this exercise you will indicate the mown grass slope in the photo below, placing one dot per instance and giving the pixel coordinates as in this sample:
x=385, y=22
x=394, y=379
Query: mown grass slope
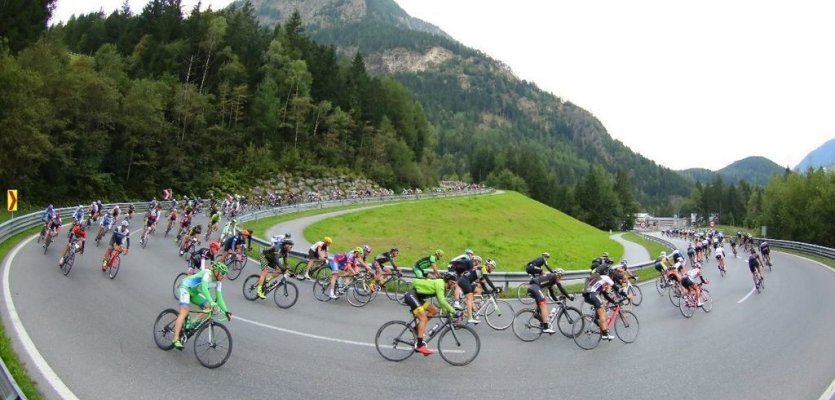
x=509, y=227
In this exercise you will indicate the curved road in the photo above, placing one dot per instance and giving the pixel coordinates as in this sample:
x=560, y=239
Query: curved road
x=95, y=333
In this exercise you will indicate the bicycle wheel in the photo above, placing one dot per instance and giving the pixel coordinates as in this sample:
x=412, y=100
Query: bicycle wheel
x=236, y=268
x=114, y=267
x=660, y=285
x=177, y=281
x=357, y=293
x=164, y=329
x=143, y=241
x=68, y=262
x=212, y=345
x=499, y=315
x=687, y=305
x=637, y=294
x=402, y=287
x=320, y=290
x=674, y=293
x=627, y=326
x=588, y=333
x=522, y=294
x=707, y=301
x=565, y=320
x=250, y=287
x=526, y=325
x=320, y=272
x=459, y=346
x=47, y=242
x=299, y=268
x=285, y=294
x=395, y=341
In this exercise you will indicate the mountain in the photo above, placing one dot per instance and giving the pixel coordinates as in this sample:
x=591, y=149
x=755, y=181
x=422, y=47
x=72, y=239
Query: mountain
x=756, y=170
x=489, y=122
x=823, y=156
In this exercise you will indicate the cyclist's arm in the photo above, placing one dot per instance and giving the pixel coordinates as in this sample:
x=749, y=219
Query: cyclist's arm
x=439, y=294
x=548, y=267
x=486, y=279
x=562, y=290
x=127, y=242
x=608, y=297
x=219, y=300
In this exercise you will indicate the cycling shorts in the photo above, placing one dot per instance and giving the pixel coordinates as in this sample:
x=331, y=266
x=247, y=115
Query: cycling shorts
x=416, y=302
x=753, y=266
x=191, y=296
x=718, y=256
x=659, y=267
x=460, y=267
x=535, y=292
x=335, y=266
x=465, y=284
x=270, y=262
x=687, y=282
x=419, y=273
x=593, y=299
x=533, y=270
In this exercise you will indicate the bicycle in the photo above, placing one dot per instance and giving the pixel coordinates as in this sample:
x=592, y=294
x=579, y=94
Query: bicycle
x=113, y=263
x=588, y=333
x=143, y=241
x=395, y=286
x=458, y=344
x=662, y=284
x=211, y=337
x=47, y=241
x=527, y=325
x=317, y=270
x=69, y=259
x=759, y=283
x=688, y=303
x=236, y=262
x=190, y=247
x=498, y=313
x=356, y=291
x=767, y=259
x=674, y=293
x=99, y=236
x=635, y=292
x=286, y=292
x=168, y=229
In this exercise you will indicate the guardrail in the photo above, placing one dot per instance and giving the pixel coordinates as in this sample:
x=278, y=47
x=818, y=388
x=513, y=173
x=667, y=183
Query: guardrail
x=813, y=249
x=658, y=240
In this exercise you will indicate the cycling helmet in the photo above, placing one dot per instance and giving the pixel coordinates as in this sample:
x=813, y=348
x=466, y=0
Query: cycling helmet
x=663, y=254
x=358, y=250
x=366, y=248
x=439, y=253
x=469, y=252
x=448, y=276
x=604, y=254
x=676, y=251
x=287, y=235
x=491, y=263
x=697, y=265
x=393, y=249
x=246, y=232
x=327, y=240
x=125, y=223
x=214, y=246
x=477, y=258
x=220, y=268
x=560, y=272
x=546, y=255
x=623, y=262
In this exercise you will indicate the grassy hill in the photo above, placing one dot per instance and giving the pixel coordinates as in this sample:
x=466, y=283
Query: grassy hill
x=509, y=227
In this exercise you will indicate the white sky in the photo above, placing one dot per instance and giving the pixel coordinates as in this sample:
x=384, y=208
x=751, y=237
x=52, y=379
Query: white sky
x=687, y=84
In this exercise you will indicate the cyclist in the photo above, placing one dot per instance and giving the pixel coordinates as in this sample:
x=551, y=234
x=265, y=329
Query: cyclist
x=280, y=249
x=720, y=257
x=235, y=243
x=755, y=264
x=105, y=225
x=214, y=222
x=317, y=252
x=115, y=212
x=386, y=257
x=765, y=252
x=172, y=217
x=53, y=226
x=131, y=210
x=678, y=266
x=600, y=265
x=689, y=282
x=620, y=276
x=662, y=263
x=484, y=280
x=197, y=260
x=78, y=215
x=192, y=233
x=534, y=267
x=428, y=264
x=596, y=285
x=76, y=233
x=548, y=281
x=416, y=299
x=699, y=253
x=229, y=229
x=119, y=239
x=363, y=259
x=733, y=244
x=185, y=223
x=94, y=213
x=195, y=290
x=467, y=275
x=346, y=262
x=691, y=252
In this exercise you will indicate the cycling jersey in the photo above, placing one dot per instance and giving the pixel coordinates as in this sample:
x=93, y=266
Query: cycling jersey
x=172, y=216
x=215, y=218
x=106, y=222
x=195, y=289
x=595, y=284
x=720, y=252
x=764, y=248
x=545, y=281
x=198, y=257
x=427, y=288
x=385, y=258
x=423, y=266
x=194, y=231
x=121, y=236
x=691, y=251
x=48, y=214
x=753, y=262
x=461, y=264
x=534, y=266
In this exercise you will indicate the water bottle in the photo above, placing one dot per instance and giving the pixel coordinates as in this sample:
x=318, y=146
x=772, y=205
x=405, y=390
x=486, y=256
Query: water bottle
x=432, y=330
x=552, y=313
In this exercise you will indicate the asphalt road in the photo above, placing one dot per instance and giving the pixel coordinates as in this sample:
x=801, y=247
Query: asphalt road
x=96, y=334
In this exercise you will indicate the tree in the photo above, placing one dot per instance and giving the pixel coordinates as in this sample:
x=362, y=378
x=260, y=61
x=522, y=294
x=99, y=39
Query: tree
x=627, y=201
x=23, y=21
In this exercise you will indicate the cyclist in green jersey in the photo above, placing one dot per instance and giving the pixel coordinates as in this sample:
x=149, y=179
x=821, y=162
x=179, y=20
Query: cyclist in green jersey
x=214, y=223
x=427, y=263
x=416, y=299
x=195, y=290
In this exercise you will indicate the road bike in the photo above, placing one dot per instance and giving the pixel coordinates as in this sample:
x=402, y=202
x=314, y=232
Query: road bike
x=674, y=292
x=759, y=282
x=47, y=241
x=458, y=344
x=143, y=241
x=236, y=263
x=635, y=292
x=112, y=266
x=212, y=340
x=527, y=324
x=168, y=229
x=69, y=259
x=498, y=313
x=689, y=304
x=100, y=235
x=587, y=333
x=395, y=286
x=356, y=291
x=286, y=293
x=189, y=248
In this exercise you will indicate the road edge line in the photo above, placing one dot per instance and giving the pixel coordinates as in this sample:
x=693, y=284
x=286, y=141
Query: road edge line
x=43, y=367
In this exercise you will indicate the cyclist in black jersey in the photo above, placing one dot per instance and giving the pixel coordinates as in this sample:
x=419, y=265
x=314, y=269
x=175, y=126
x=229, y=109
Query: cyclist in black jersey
x=381, y=259
x=534, y=267
x=535, y=287
x=755, y=264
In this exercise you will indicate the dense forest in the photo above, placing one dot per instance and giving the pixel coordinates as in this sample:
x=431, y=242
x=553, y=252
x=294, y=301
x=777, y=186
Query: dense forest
x=125, y=104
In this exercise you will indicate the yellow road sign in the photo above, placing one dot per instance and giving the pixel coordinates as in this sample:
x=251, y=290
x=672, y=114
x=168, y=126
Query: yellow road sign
x=11, y=199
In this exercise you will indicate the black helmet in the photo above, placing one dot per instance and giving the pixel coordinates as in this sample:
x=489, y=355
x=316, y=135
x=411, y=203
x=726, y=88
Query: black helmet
x=448, y=276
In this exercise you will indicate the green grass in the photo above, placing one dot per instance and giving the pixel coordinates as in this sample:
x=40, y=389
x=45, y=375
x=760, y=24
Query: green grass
x=261, y=226
x=14, y=365
x=652, y=247
x=510, y=228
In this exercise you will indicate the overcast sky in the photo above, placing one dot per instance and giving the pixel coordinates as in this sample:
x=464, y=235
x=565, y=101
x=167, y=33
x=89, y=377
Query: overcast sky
x=686, y=84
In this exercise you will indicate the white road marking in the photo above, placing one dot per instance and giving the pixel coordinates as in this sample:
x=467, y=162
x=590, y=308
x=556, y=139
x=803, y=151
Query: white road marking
x=829, y=394
x=747, y=296
x=44, y=368
x=307, y=335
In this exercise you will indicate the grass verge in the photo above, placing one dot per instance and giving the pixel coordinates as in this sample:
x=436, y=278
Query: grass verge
x=652, y=247
x=509, y=227
x=260, y=226
x=26, y=384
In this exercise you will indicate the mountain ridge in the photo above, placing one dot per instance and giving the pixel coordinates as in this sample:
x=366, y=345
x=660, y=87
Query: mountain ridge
x=821, y=157
x=754, y=169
